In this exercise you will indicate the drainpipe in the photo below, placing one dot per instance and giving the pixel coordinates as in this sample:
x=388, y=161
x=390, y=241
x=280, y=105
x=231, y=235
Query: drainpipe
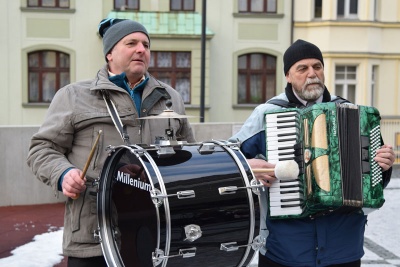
x=292, y=22
x=203, y=60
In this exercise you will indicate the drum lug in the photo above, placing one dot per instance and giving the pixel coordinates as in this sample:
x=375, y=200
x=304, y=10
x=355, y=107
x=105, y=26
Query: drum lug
x=193, y=232
x=158, y=256
x=186, y=252
x=167, y=151
x=254, y=186
x=258, y=242
x=206, y=148
x=96, y=184
x=232, y=246
x=97, y=236
x=157, y=196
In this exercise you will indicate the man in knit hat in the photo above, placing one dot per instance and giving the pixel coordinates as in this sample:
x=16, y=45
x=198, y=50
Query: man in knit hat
x=334, y=239
x=78, y=114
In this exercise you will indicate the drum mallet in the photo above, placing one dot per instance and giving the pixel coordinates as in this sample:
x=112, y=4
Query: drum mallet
x=85, y=168
x=284, y=170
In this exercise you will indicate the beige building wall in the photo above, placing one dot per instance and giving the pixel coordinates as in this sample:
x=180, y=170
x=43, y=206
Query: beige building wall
x=371, y=40
x=25, y=30
x=237, y=34
x=72, y=31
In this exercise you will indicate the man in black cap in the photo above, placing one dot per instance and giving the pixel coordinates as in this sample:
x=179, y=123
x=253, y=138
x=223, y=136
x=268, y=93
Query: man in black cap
x=77, y=114
x=334, y=239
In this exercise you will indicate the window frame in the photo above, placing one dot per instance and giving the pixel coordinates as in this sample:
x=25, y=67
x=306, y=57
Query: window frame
x=264, y=72
x=318, y=9
x=182, y=6
x=345, y=82
x=264, y=11
x=174, y=70
x=374, y=84
x=126, y=6
x=40, y=4
x=40, y=70
x=346, y=11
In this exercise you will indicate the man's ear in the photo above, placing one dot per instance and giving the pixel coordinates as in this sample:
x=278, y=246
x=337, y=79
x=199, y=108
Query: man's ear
x=287, y=77
x=108, y=56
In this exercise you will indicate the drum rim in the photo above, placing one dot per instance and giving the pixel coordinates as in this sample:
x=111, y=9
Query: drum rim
x=249, y=194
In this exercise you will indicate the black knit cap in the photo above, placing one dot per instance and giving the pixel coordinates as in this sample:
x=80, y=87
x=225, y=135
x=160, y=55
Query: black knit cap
x=113, y=30
x=300, y=50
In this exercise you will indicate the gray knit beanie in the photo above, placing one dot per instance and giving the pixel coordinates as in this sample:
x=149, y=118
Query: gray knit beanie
x=300, y=50
x=113, y=30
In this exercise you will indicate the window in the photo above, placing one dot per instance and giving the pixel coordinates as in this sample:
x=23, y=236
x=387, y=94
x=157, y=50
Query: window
x=345, y=82
x=256, y=78
x=318, y=9
x=47, y=72
x=257, y=6
x=49, y=3
x=347, y=9
x=173, y=68
x=126, y=4
x=373, y=84
x=182, y=5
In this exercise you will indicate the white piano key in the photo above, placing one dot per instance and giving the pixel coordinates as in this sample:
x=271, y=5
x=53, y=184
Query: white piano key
x=286, y=211
x=288, y=203
x=280, y=157
x=280, y=116
x=291, y=137
x=282, y=132
x=281, y=151
x=278, y=184
x=275, y=196
x=282, y=191
x=278, y=145
x=277, y=125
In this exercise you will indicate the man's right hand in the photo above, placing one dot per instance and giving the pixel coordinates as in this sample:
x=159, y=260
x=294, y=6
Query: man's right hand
x=72, y=184
x=266, y=178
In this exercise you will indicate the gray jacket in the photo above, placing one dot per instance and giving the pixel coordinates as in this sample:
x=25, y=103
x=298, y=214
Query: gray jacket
x=70, y=128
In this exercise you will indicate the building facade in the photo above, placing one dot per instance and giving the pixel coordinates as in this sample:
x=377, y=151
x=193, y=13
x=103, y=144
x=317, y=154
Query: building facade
x=358, y=40
x=49, y=43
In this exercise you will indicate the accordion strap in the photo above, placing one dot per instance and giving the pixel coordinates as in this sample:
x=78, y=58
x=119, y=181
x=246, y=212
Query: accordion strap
x=287, y=104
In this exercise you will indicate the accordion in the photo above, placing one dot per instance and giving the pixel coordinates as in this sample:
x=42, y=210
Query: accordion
x=334, y=146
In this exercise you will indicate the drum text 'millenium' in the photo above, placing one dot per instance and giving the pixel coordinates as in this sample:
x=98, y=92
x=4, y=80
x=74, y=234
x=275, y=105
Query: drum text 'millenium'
x=127, y=179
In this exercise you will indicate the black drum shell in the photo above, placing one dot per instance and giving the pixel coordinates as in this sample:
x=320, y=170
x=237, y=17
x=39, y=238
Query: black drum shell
x=143, y=227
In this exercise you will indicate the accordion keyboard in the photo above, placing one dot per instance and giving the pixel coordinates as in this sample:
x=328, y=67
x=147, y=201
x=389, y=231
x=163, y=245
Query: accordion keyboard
x=282, y=136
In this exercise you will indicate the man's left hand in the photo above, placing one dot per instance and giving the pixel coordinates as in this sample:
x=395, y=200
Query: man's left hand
x=385, y=157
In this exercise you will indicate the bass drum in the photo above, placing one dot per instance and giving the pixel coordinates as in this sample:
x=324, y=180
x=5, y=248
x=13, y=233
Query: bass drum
x=190, y=205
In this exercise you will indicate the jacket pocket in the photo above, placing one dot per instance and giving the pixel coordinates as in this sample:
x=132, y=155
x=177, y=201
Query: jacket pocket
x=84, y=218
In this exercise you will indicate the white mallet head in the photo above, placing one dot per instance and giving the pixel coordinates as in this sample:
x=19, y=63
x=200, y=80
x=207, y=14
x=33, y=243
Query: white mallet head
x=287, y=170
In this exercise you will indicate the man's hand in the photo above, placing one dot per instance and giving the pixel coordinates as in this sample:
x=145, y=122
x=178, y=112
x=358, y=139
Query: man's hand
x=385, y=157
x=72, y=183
x=266, y=178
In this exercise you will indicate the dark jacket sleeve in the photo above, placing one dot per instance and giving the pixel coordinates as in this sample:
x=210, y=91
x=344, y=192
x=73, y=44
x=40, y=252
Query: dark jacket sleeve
x=254, y=146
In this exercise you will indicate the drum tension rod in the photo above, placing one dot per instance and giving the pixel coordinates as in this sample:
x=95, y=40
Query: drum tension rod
x=254, y=185
x=257, y=243
x=158, y=255
x=157, y=196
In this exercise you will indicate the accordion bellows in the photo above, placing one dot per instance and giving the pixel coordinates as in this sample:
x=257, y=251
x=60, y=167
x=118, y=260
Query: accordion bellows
x=334, y=145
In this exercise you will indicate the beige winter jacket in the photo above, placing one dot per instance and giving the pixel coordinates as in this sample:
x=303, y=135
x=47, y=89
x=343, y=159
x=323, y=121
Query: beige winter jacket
x=72, y=123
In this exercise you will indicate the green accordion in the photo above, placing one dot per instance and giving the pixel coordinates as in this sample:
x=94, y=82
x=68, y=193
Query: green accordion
x=334, y=146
